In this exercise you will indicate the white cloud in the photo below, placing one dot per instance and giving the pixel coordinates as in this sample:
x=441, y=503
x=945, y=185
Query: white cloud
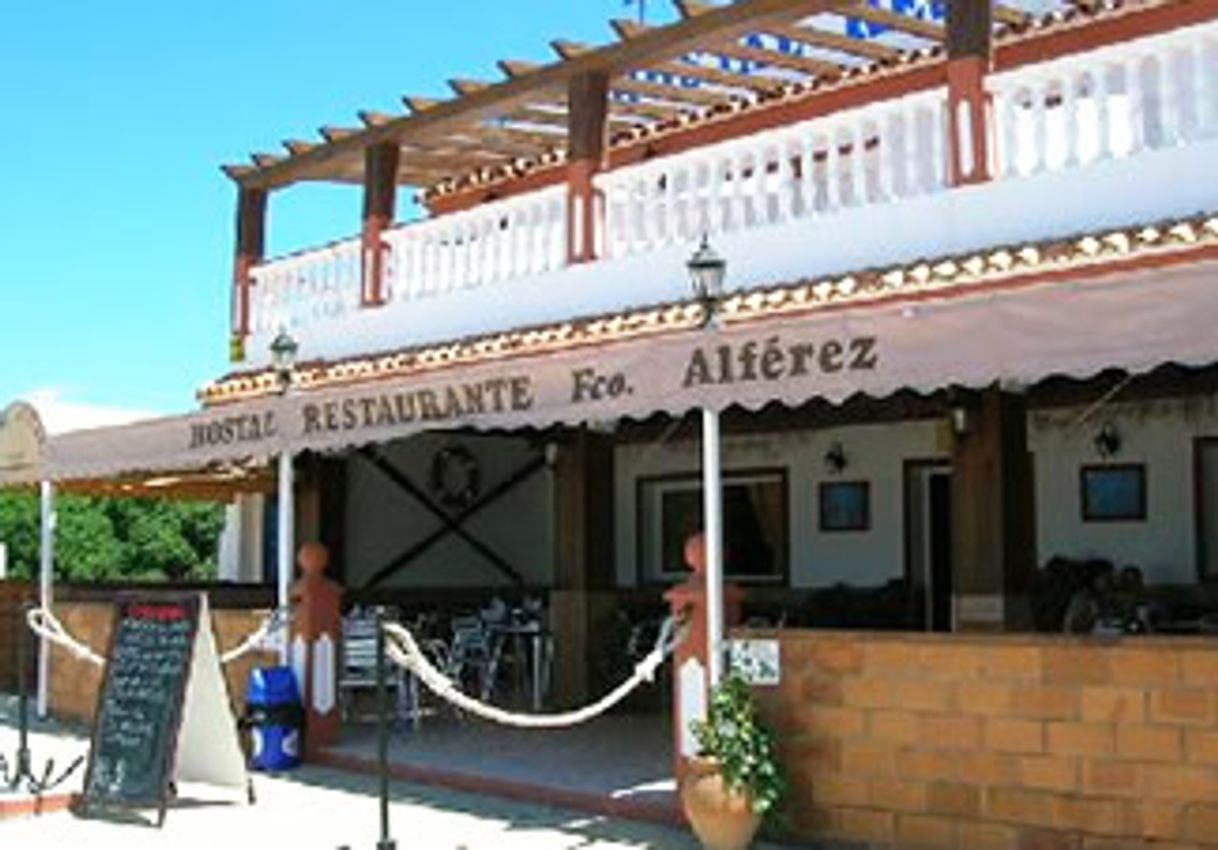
x=60, y=414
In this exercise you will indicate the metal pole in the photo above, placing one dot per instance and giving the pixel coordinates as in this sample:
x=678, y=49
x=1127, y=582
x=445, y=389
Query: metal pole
x=46, y=577
x=286, y=543
x=382, y=732
x=712, y=509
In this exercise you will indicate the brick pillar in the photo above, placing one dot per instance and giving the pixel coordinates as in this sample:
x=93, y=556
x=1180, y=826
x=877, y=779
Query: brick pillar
x=317, y=632
x=689, y=662
x=993, y=514
x=969, y=27
x=250, y=250
x=380, y=202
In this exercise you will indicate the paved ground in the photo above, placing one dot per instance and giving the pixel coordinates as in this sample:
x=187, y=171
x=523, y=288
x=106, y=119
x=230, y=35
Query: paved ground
x=323, y=810
x=319, y=809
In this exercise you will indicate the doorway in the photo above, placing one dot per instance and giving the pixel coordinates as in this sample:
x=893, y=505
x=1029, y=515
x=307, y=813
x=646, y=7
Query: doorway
x=1205, y=484
x=928, y=541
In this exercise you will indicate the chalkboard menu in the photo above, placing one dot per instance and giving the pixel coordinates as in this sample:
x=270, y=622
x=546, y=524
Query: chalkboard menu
x=140, y=706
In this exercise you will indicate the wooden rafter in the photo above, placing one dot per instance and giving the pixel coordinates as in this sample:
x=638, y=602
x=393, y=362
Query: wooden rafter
x=832, y=41
x=693, y=34
x=684, y=96
x=627, y=29
x=1011, y=16
x=903, y=23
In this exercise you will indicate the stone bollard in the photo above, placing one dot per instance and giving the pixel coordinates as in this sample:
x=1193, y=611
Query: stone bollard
x=317, y=633
x=690, y=687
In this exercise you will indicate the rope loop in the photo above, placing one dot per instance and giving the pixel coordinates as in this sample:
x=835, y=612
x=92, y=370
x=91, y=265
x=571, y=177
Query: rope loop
x=404, y=650
x=44, y=624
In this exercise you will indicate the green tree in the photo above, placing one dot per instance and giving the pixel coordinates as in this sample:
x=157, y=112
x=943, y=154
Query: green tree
x=100, y=539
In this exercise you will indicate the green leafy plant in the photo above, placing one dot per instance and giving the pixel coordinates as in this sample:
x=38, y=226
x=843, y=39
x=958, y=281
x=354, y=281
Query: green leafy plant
x=734, y=737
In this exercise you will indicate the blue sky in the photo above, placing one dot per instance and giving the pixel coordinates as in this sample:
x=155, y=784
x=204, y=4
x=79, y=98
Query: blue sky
x=115, y=221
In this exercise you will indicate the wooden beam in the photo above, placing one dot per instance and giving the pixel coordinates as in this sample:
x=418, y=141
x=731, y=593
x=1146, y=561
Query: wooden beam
x=683, y=96
x=691, y=34
x=714, y=76
x=902, y=23
x=380, y=207
x=833, y=41
x=692, y=9
x=970, y=30
x=1011, y=16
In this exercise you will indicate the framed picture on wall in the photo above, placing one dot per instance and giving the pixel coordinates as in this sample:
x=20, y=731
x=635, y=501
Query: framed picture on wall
x=845, y=506
x=1113, y=493
x=755, y=524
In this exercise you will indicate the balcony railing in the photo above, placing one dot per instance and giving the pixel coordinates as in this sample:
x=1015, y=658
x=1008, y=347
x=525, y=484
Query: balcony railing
x=1150, y=94
x=871, y=155
x=870, y=183
x=492, y=243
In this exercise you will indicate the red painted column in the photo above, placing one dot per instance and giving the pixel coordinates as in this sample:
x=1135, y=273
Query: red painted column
x=316, y=644
x=250, y=251
x=380, y=203
x=969, y=120
x=688, y=600
x=587, y=109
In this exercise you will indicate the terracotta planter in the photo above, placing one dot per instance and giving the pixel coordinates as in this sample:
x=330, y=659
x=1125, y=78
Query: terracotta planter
x=722, y=819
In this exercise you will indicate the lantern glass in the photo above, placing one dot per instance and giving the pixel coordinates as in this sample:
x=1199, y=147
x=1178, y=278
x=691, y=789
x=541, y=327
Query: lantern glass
x=707, y=271
x=283, y=352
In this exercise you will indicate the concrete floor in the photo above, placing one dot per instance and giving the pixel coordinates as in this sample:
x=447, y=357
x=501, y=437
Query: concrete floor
x=620, y=756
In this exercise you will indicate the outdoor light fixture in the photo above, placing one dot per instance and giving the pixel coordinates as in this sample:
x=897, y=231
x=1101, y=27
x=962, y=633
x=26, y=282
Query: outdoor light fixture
x=283, y=357
x=1108, y=441
x=835, y=459
x=961, y=421
x=707, y=271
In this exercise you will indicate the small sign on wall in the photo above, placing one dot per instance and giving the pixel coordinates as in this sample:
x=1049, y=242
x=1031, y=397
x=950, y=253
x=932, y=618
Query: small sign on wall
x=758, y=661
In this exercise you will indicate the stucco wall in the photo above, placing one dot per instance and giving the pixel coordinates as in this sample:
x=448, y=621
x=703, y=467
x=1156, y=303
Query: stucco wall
x=875, y=453
x=383, y=521
x=1159, y=434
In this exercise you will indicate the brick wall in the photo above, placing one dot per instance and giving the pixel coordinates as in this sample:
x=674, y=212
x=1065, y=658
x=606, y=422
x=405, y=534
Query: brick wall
x=1003, y=742
x=13, y=596
x=75, y=683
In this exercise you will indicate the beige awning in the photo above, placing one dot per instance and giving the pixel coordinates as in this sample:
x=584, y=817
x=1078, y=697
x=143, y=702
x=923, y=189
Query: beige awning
x=22, y=437
x=1018, y=333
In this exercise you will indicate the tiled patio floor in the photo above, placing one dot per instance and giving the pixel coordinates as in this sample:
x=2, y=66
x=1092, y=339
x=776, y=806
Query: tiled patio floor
x=617, y=765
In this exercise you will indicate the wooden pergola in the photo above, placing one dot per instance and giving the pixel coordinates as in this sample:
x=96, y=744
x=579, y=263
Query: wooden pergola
x=714, y=57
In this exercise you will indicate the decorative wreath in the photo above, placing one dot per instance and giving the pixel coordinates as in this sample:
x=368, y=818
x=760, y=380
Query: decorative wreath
x=455, y=477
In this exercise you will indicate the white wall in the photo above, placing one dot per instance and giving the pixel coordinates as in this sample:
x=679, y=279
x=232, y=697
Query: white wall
x=875, y=453
x=1159, y=434
x=383, y=520
x=240, y=551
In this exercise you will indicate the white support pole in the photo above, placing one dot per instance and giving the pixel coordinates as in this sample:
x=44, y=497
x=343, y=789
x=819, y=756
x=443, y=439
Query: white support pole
x=46, y=577
x=287, y=541
x=712, y=508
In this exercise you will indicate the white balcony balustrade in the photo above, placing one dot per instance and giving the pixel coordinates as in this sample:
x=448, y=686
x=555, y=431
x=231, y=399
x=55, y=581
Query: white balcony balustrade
x=491, y=243
x=308, y=288
x=1115, y=136
x=816, y=168
x=1113, y=103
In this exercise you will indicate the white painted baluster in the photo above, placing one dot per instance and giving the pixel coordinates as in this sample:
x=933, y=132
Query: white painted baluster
x=807, y=170
x=739, y=217
x=1009, y=111
x=758, y=195
x=858, y=162
x=885, y=161
x=788, y=186
x=1207, y=88
x=1173, y=109
x=1040, y=126
x=668, y=233
x=833, y=171
x=1135, y=99
x=939, y=143
x=1070, y=121
x=1101, y=94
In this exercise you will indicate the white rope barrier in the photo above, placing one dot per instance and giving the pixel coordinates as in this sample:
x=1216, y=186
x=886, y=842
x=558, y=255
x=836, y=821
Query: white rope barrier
x=276, y=621
x=44, y=624
x=405, y=651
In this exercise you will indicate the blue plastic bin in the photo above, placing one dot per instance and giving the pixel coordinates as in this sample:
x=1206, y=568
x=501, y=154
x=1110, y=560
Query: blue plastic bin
x=275, y=717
